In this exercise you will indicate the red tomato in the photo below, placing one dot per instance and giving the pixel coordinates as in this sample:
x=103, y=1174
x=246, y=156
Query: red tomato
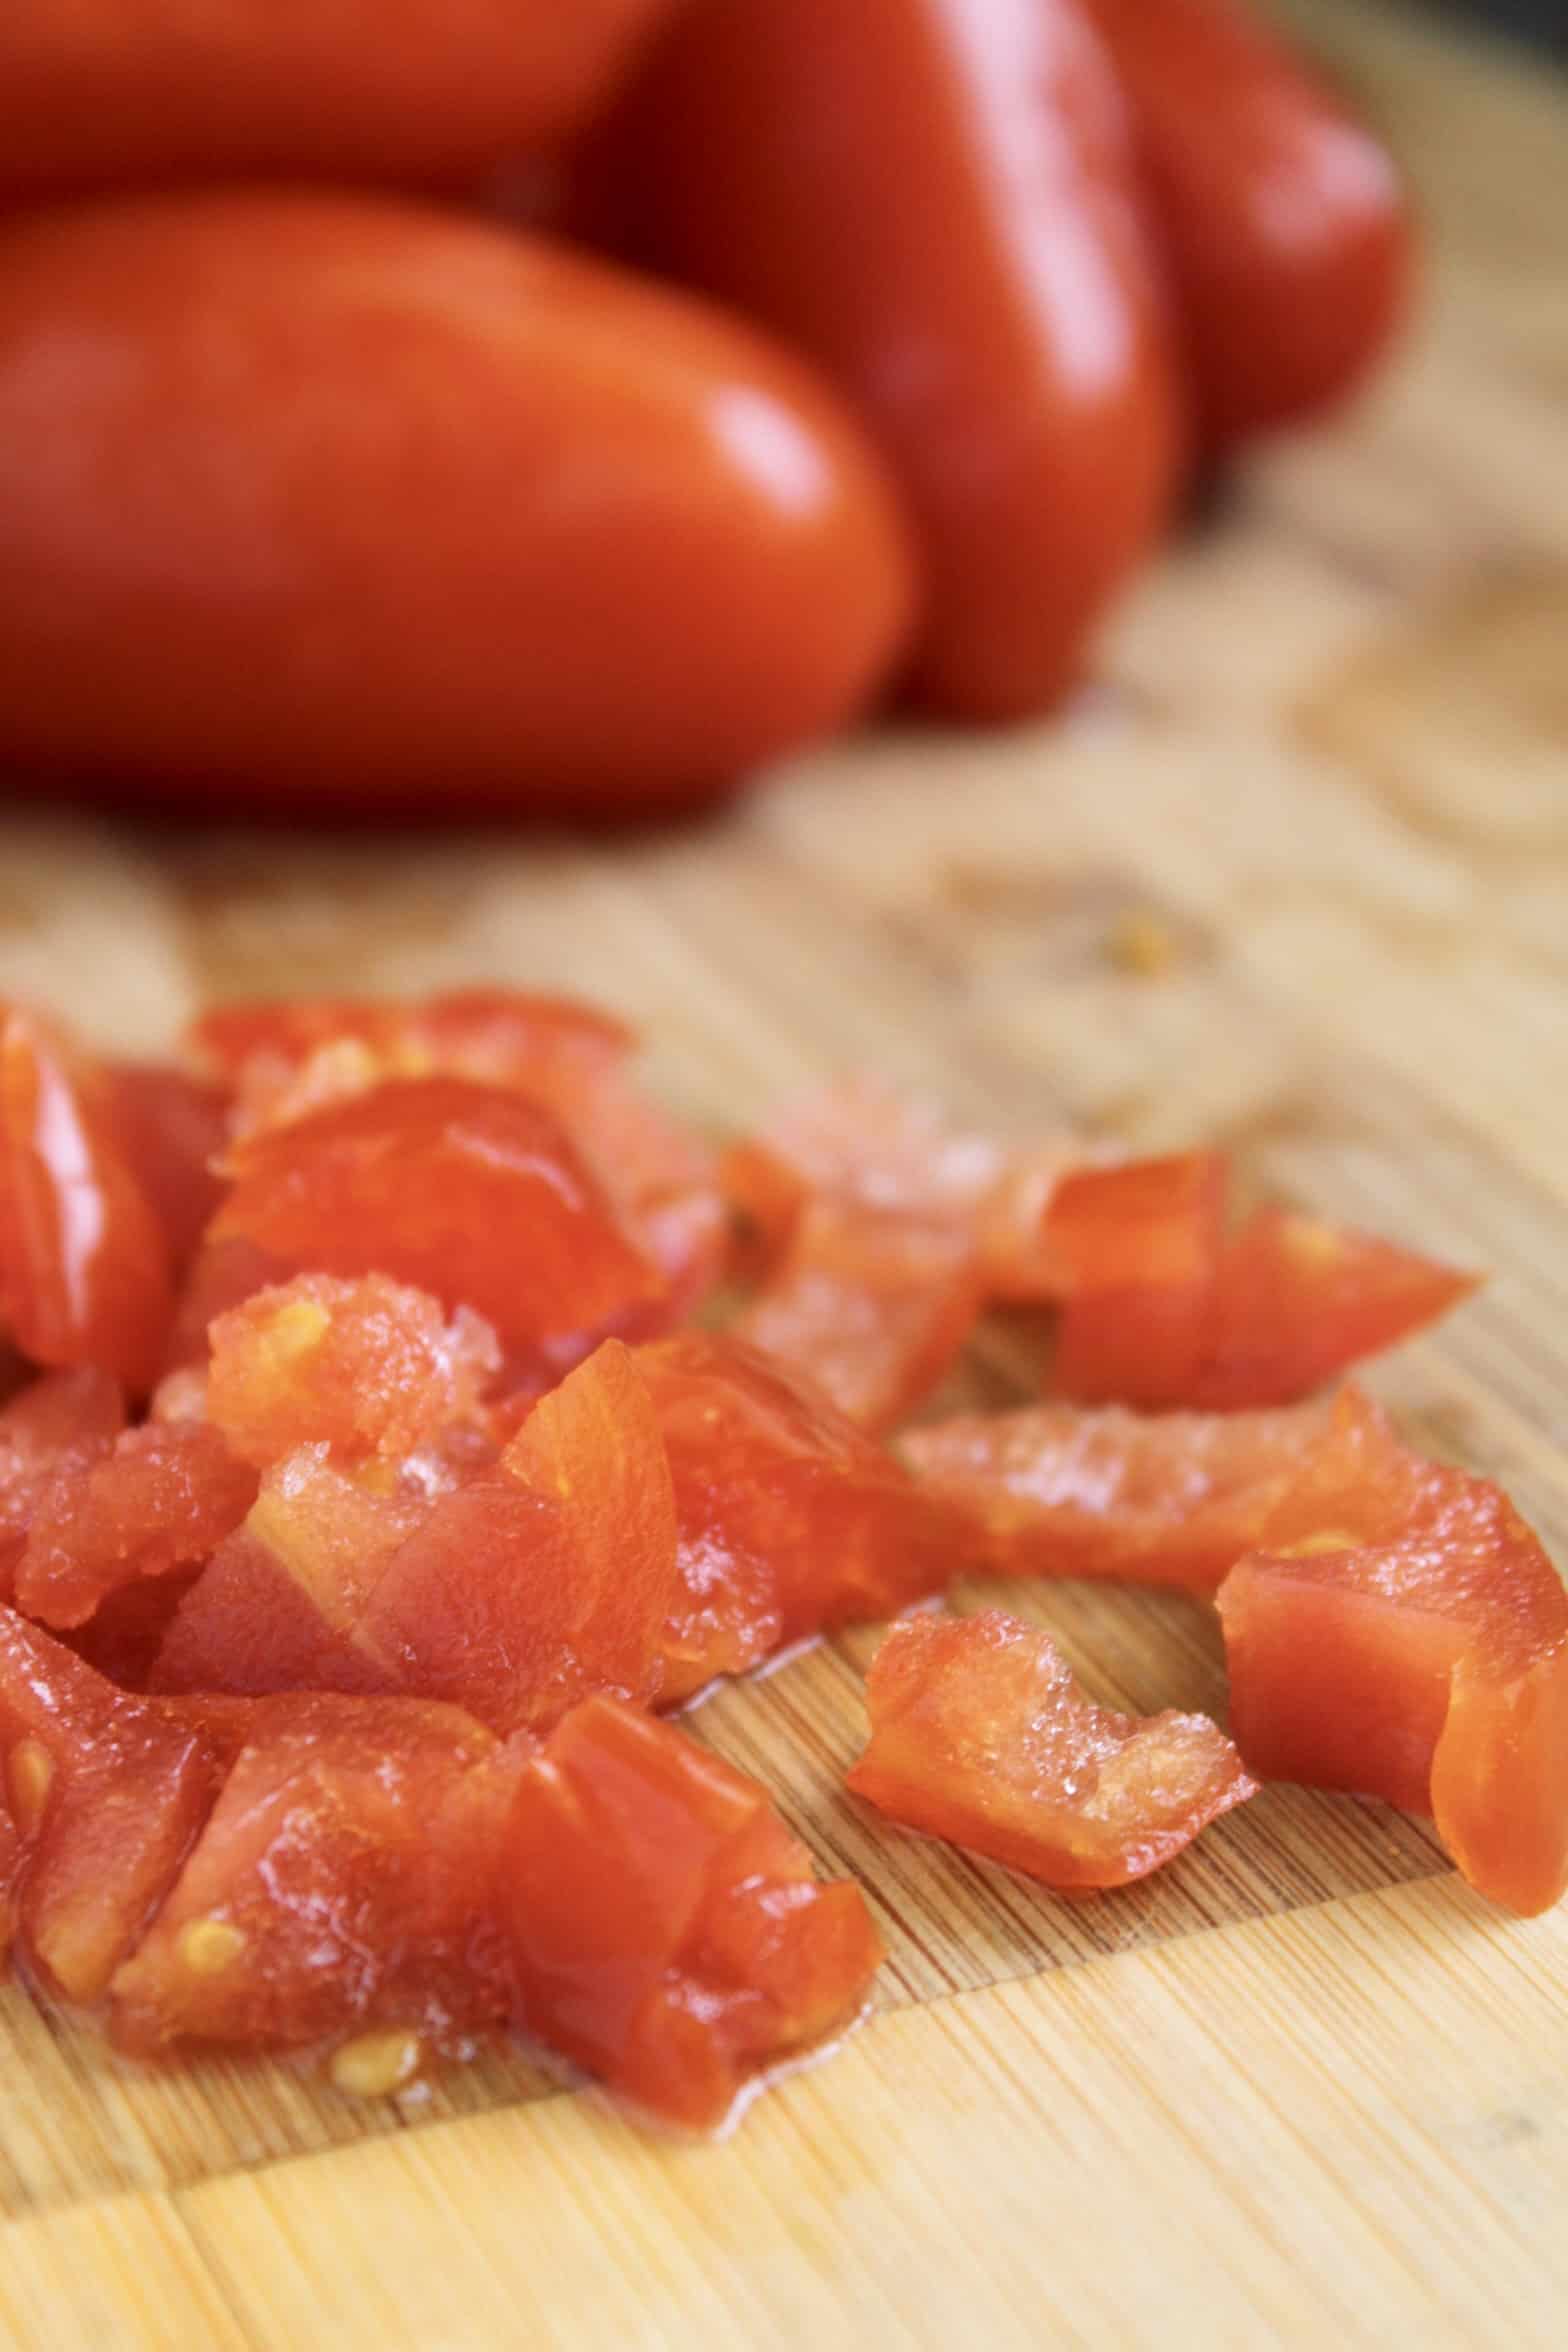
x=62, y=1422
x=1400, y=1632
x=1282, y=218
x=163, y=1499
x=84, y=1265
x=342, y=1882
x=10, y=1867
x=471, y=1192
x=1169, y=1498
x=171, y=1128
x=665, y=1929
x=790, y=1517
x=95, y=94
x=106, y=1792
x=979, y=1734
x=1163, y=1309
x=937, y=199
x=360, y=505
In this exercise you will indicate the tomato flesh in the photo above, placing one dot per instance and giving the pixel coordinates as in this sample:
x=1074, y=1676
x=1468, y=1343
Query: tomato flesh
x=106, y=1792
x=1399, y=1632
x=665, y=1929
x=57, y=1423
x=790, y=1518
x=164, y=1498
x=343, y=1880
x=1064, y=1490
x=469, y=1191
x=172, y=1129
x=980, y=1735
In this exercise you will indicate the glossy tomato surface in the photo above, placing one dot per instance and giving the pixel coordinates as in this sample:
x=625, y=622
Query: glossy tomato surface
x=1282, y=218
x=937, y=199
x=362, y=505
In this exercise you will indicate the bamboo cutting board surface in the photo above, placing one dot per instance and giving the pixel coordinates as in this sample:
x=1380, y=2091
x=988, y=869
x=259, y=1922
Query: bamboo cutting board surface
x=1294, y=877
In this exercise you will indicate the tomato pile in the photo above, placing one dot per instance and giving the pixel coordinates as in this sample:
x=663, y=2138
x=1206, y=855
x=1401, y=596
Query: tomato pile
x=403, y=1417
x=509, y=405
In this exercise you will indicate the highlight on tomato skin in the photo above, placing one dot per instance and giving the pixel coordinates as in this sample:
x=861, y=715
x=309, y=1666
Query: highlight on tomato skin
x=980, y=1735
x=1399, y=1632
x=938, y=200
x=1280, y=216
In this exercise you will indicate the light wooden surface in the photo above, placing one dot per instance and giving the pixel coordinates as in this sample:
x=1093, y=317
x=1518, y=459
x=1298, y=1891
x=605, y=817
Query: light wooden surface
x=1300, y=2089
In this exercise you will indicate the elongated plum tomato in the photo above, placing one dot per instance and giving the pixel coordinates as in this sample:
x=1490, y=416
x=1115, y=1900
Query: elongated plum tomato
x=938, y=200
x=323, y=503
x=94, y=94
x=1282, y=219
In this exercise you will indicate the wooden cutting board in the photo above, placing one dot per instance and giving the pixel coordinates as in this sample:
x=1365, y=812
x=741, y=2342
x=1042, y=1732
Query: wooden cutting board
x=1295, y=876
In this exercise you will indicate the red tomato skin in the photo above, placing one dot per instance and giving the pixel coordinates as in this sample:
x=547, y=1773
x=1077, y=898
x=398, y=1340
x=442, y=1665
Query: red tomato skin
x=937, y=199
x=96, y=94
x=365, y=506
x=1283, y=220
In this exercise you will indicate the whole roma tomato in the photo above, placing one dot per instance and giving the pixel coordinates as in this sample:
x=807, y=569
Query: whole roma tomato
x=323, y=502
x=94, y=94
x=1282, y=219
x=937, y=199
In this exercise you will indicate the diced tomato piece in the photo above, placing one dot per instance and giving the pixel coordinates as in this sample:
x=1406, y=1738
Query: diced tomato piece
x=107, y=1794
x=60, y=1422
x=979, y=1734
x=1400, y=1632
x=343, y=1881
x=657, y=1939
x=790, y=1517
x=122, y=1638
x=864, y=1146
x=551, y=1578
x=364, y=1367
x=164, y=1498
x=278, y=1605
x=1297, y=1300
x=1163, y=1309
x=10, y=1870
x=222, y=1276
x=468, y=1191
x=1139, y=1246
x=172, y=1129
x=1066, y=1490
x=84, y=1264
x=875, y=1309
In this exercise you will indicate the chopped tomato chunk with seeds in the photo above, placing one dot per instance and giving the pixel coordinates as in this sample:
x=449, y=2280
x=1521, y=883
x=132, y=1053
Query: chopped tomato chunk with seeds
x=979, y=1734
x=1163, y=1308
x=366, y=1367
x=58, y=1423
x=665, y=1929
x=164, y=1498
x=1156, y=1498
x=84, y=1261
x=1399, y=1632
x=172, y=1130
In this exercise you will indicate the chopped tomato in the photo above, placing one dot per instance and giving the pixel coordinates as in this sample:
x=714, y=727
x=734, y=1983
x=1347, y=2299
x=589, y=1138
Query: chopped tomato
x=366, y=1367
x=1163, y=1309
x=471, y=1192
x=60, y=1422
x=979, y=1734
x=875, y=1309
x=84, y=1264
x=551, y=1577
x=1298, y=1299
x=106, y=1792
x=1139, y=1246
x=866, y=1147
x=1400, y=1632
x=343, y=1882
x=172, y=1129
x=1065, y=1490
x=164, y=1498
x=665, y=1929
x=790, y=1517
x=10, y=1869
x=221, y=1276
